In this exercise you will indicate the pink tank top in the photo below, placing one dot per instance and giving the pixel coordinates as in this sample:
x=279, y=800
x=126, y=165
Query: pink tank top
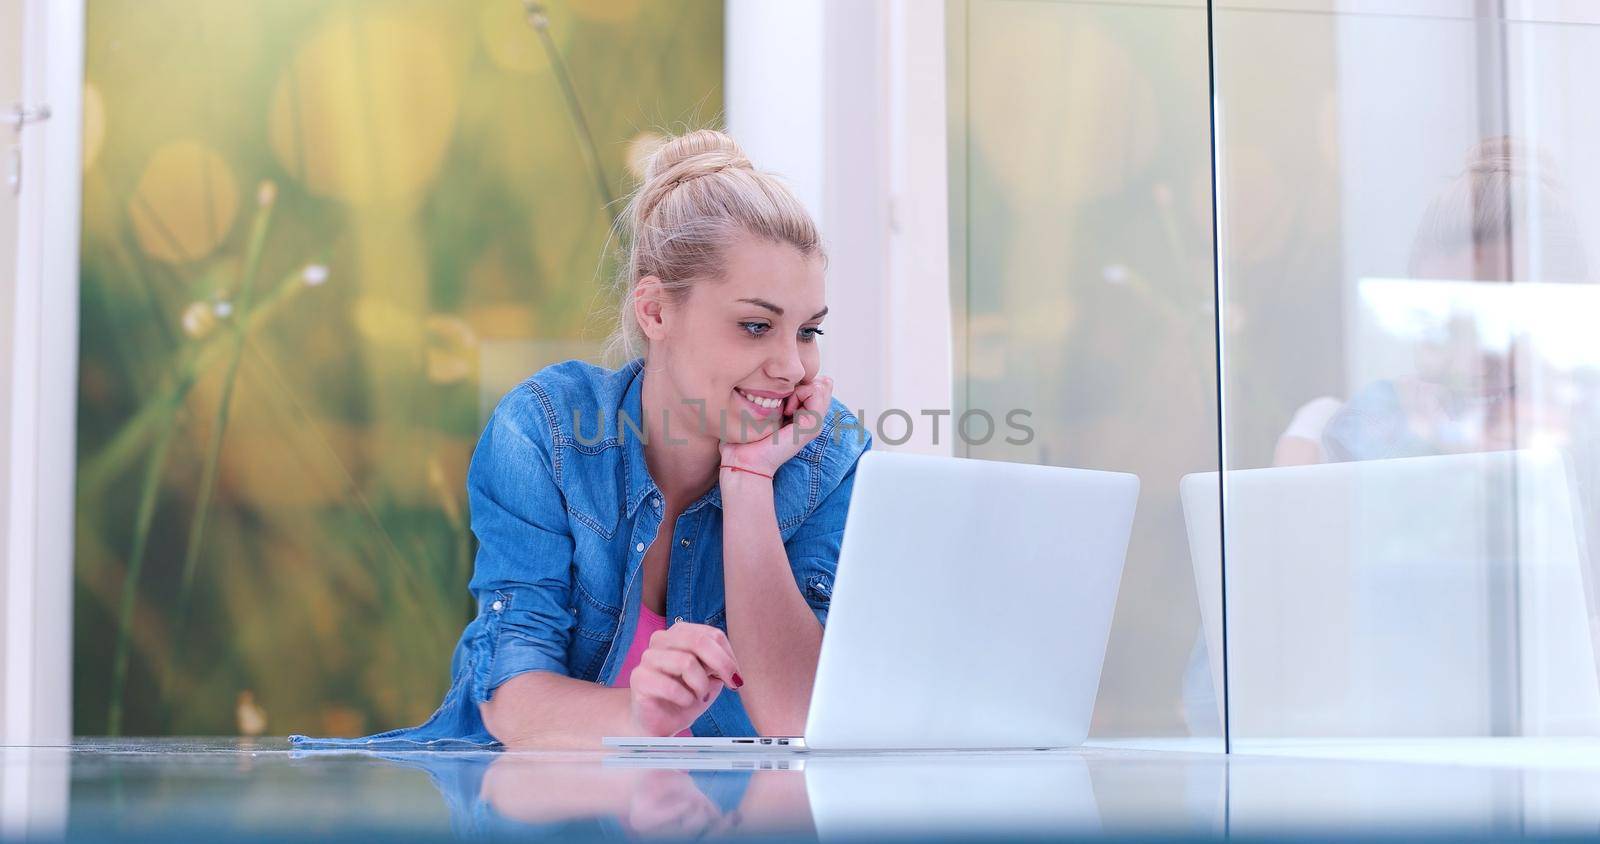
x=649, y=623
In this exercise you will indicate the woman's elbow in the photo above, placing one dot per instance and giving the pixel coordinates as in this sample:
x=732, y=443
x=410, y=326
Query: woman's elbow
x=511, y=714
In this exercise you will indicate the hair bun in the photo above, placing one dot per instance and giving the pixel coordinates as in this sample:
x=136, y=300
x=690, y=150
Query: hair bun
x=699, y=153
x=691, y=156
x=1505, y=155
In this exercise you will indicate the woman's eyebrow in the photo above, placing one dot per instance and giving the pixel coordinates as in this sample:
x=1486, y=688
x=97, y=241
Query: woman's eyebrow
x=779, y=311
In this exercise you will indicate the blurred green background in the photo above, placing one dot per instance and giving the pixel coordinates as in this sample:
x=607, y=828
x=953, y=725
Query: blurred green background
x=320, y=240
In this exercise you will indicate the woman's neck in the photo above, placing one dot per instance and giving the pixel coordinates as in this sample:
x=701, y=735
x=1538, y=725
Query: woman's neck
x=682, y=457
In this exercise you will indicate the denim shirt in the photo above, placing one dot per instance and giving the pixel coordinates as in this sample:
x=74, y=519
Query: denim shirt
x=459, y=778
x=1372, y=426
x=564, y=507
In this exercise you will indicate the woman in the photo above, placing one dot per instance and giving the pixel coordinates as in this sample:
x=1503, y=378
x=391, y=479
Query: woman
x=1506, y=217
x=657, y=543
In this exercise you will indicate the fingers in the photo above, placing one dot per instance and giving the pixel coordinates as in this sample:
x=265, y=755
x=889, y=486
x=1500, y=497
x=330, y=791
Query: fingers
x=711, y=646
x=652, y=683
x=669, y=803
x=685, y=667
x=811, y=408
x=707, y=644
x=816, y=396
x=825, y=395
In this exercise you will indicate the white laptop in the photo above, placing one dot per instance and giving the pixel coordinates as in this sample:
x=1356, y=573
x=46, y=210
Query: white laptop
x=855, y=796
x=1423, y=596
x=971, y=609
x=940, y=796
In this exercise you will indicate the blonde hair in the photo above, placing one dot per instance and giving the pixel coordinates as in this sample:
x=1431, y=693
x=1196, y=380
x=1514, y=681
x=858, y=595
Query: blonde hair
x=1509, y=193
x=698, y=194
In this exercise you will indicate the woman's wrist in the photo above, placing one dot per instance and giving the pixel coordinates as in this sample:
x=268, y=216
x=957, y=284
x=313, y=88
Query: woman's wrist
x=728, y=470
x=738, y=481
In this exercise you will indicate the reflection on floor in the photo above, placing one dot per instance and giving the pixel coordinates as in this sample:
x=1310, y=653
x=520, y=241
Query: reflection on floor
x=207, y=788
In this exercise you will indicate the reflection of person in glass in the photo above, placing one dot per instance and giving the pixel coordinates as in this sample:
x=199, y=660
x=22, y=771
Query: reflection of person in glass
x=585, y=796
x=651, y=802
x=1504, y=218
x=657, y=543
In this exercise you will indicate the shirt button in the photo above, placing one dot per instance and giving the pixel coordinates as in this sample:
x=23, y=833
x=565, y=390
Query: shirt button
x=677, y=619
x=684, y=542
x=639, y=547
x=655, y=501
x=496, y=606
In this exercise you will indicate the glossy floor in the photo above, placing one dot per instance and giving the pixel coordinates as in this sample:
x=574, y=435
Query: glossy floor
x=203, y=788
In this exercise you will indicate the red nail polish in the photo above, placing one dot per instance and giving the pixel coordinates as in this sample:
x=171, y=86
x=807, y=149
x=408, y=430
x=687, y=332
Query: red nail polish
x=738, y=682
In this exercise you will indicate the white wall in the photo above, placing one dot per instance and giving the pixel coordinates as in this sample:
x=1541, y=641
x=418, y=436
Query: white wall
x=845, y=98
x=773, y=87
x=918, y=312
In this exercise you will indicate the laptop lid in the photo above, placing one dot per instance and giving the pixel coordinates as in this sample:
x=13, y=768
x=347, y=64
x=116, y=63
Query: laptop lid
x=1425, y=596
x=972, y=605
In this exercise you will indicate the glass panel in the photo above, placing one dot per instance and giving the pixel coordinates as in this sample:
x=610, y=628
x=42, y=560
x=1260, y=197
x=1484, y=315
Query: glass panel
x=1086, y=299
x=1412, y=387
x=308, y=271
x=10, y=151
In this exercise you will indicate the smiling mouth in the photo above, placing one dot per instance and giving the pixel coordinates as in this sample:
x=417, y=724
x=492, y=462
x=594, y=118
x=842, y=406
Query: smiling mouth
x=759, y=401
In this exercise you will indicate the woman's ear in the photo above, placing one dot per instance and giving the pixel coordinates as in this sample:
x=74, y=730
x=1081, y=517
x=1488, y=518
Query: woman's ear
x=649, y=307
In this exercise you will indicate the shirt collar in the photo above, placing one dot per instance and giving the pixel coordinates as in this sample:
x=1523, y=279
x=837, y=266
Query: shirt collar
x=637, y=482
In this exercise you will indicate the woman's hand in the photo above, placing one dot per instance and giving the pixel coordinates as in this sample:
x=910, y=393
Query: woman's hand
x=808, y=404
x=667, y=803
x=683, y=670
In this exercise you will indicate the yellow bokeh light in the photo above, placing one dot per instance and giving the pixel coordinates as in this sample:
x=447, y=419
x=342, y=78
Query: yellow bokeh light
x=184, y=204
x=640, y=148
x=386, y=324
x=367, y=108
x=94, y=124
x=607, y=11
x=509, y=39
x=452, y=349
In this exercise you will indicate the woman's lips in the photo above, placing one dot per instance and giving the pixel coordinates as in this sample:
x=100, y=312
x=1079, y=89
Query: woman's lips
x=758, y=410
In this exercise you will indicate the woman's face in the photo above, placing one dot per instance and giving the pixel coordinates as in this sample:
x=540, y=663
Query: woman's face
x=741, y=343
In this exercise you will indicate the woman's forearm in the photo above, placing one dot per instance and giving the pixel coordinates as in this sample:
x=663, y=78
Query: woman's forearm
x=774, y=634
x=556, y=787
x=546, y=711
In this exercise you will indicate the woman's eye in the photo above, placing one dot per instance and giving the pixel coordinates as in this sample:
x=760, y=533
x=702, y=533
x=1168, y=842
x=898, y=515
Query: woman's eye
x=754, y=329
x=808, y=335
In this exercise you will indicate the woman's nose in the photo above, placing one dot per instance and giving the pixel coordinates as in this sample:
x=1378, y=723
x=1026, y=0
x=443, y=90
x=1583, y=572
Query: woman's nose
x=786, y=364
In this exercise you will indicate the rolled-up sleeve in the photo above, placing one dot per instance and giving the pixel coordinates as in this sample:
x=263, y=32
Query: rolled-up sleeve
x=522, y=574
x=813, y=549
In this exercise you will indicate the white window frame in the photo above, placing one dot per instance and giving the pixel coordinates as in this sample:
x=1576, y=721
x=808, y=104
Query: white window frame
x=38, y=455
